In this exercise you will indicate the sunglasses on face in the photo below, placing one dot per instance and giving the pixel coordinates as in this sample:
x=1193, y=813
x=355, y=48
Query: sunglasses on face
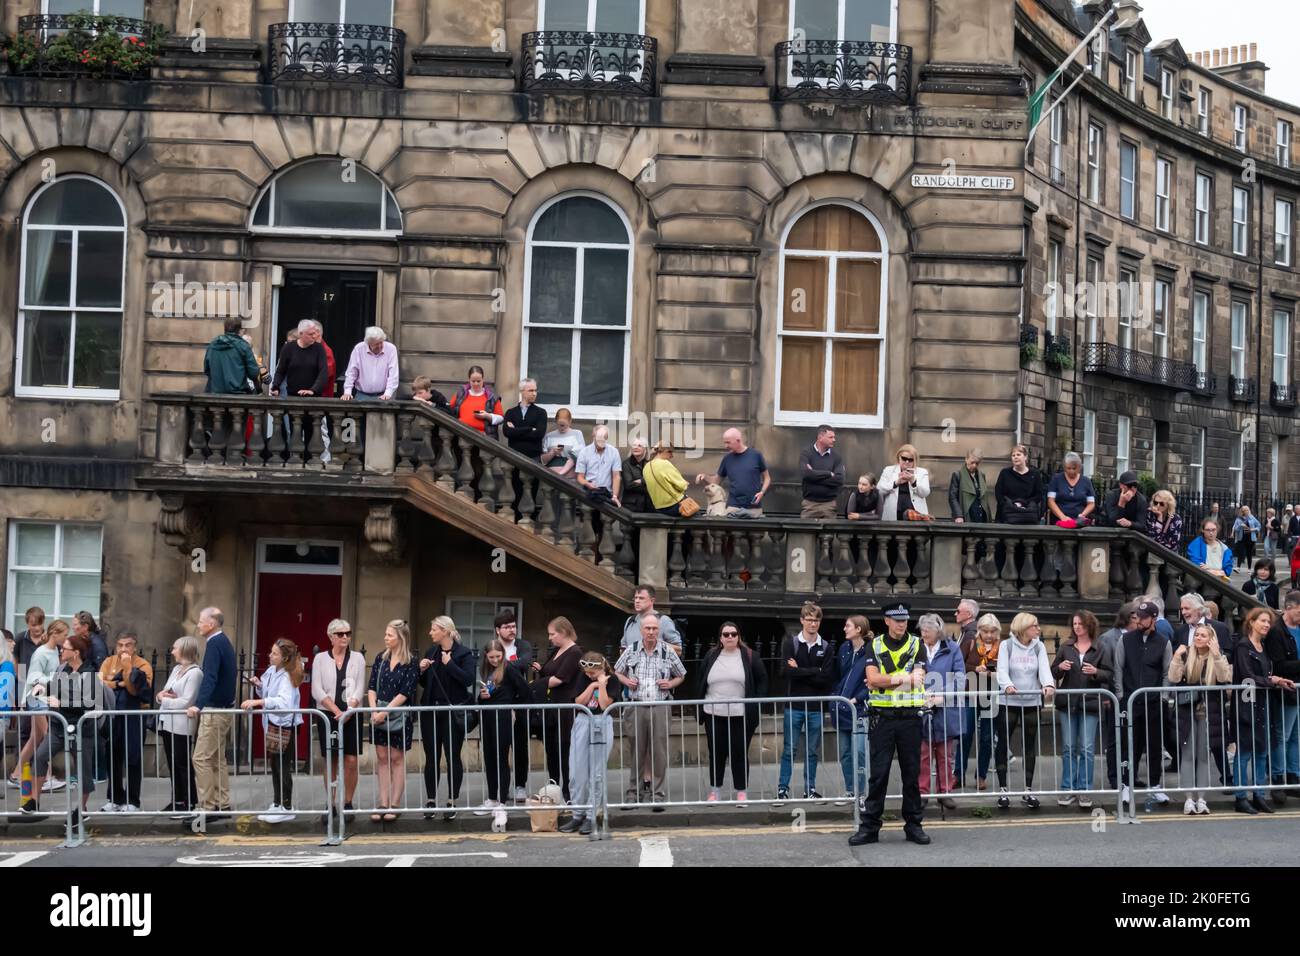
x=589, y=664
x=730, y=634
x=342, y=634
x=906, y=459
x=65, y=650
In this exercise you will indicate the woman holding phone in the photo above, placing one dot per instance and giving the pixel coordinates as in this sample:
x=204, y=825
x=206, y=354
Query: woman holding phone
x=501, y=687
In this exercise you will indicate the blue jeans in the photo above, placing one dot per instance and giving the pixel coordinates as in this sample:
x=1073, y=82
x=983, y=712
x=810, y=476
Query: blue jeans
x=849, y=742
x=806, y=726
x=1251, y=765
x=1079, y=730
x=1286, y=741
x=984, y=754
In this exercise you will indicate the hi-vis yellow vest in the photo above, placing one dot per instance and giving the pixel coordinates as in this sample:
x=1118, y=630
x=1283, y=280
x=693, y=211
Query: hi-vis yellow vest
x=893, y=662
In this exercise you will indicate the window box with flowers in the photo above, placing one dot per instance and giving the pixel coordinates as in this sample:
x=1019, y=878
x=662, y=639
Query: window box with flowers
x=84, y=44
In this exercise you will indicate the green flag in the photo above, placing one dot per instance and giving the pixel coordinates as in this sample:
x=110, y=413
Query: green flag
x=1040, y=95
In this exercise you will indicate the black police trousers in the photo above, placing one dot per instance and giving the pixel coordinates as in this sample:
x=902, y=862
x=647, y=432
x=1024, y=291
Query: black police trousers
x=893, y=732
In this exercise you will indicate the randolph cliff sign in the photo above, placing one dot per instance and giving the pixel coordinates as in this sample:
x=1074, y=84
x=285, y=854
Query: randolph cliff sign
x=952, y=181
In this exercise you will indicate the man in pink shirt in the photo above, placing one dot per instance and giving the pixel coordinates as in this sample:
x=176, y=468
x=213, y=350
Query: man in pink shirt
x=372, y=369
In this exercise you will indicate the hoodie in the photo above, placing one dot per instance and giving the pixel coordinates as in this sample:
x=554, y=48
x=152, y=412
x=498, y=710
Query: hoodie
x=852, y=685
x=1026, y=668
x=230, y=365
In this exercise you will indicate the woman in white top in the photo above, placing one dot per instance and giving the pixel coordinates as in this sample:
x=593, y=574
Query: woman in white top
x=277, y=692
x=1026, y=682
x=176, y=729
x=730, y=672
x=338, y=676
x=560, y=448
x=903, y=487
x=41, y=668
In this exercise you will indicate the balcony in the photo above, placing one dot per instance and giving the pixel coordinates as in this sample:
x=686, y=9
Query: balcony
x=1242, y=389
x=1056, y=352
x=1282, y=396
x=360, y=53
x=83, y=44
x=1028, y=343
x=577, y=60
x=845, y=70
x=1102, y=358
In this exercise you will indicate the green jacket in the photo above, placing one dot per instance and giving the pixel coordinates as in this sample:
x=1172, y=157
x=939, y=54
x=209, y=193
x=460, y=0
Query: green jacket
x=229, y=365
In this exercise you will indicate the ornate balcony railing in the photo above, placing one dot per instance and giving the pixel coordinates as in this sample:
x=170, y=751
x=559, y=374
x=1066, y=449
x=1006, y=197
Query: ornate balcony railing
x=1056, y=352
x=1242, y=389
x=843, y=70
x=1283, y=396
x=84, y=44
x=1103, y=358
x=336, y=53
x=579, y=60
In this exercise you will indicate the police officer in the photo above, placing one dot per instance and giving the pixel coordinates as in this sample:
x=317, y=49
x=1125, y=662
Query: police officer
x=895, y=676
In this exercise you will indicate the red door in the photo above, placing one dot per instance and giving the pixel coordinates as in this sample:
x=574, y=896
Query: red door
x=298, y=607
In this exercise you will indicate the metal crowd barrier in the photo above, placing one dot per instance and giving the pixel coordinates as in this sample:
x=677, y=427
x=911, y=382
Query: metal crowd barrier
x=483, y=759
x=1242, y=738
x=1068, y=744
x=24, y=734
x=683, y=753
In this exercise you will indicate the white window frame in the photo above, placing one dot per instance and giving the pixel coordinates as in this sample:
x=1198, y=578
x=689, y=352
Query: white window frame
x=266, y=566
x=1167, y=84
x=1056, y=155
x=791, y=78
x=1164, y=191
x=343, y=8
x=1123, y=444
x=1131, y=72
x=1096, y=143
x=386, y=229
x=1284, y=131
x=591, y=16
x=1204, y=201
x=1204, y=104
x=1052, y=301
x=830, y=336
x=1240, y=117
x=1098, y=54
x=1240, y=221
x=1197, y=464
x=13, y=610
x=1092, y=276
x=477, y=599
x=1236, y=462
x=69, y=390
x=609, y=412
x=1200, y=329
x=1128, y=290
x=342, y=62
x=1128, y=185
x=1238, y=322
x=1282, y=348
x=92, y=6
x=1275, y=455
x=1283, y=216
x=1163, y=295
x=1089, y=442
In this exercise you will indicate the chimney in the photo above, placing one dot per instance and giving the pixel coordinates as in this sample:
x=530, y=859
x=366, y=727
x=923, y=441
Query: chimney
x=1239, y=63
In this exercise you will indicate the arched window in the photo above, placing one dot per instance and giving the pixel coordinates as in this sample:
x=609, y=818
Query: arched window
x=332, y=197
x=578, y=309
x=830, y=360
x=70, y=299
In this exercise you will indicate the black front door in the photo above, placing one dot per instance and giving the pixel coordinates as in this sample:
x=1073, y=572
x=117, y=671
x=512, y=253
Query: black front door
x=342, y=302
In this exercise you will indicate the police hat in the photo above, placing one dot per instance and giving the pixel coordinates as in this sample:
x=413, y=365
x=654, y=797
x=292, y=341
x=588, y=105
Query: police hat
x=898, y=612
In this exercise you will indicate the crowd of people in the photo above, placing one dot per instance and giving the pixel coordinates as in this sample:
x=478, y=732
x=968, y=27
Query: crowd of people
x=913, y=688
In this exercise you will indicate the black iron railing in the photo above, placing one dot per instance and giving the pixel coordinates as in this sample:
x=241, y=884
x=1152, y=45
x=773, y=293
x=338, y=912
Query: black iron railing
x=1056, y=351
x=1242, y=389
x=1103, y=358
x=843, y=69
x=79, y=44
x=336, y=53
x=1283, y=396
x=1028, y=335
x=574, y=59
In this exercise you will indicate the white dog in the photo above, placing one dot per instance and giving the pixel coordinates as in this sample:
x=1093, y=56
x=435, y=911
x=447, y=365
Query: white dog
x=717, y=496
x=499, y=820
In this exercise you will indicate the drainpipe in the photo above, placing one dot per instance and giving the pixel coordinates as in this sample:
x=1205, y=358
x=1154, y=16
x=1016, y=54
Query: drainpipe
x=1259, y=335
x=1080, y=150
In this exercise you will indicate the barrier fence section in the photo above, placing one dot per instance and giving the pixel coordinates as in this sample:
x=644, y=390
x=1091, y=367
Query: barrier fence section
x=1068, y=740
x=1241, y=738
x=33, y=791
x=225, y=762
x=514, y=751
x=683, y=753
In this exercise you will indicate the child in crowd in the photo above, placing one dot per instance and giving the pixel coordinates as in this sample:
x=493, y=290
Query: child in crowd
x=1261, y=582
x=422, y=390
x=865, y=502
x=597, y=696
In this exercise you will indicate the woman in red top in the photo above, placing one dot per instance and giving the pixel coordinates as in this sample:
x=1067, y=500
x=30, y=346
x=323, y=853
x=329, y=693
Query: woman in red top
x=476, y=405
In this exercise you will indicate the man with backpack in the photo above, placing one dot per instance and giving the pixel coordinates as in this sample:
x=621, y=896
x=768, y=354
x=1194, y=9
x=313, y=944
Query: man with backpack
x=643, y=602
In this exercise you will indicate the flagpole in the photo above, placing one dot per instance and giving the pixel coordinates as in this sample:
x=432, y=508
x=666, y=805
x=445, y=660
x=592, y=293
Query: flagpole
x=1064, y=63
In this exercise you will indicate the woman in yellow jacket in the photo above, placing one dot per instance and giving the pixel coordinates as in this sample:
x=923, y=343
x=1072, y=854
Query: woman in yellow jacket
x=664, y=482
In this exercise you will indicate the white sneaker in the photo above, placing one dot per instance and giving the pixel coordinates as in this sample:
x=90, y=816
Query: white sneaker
x=1066, y=801
x=1189, y=807
x=1201, y=806
x=275, y=817
x=1125, y=795
x=129, y=808
x=521, y=795
x=109, y=807
x=13, y=783
x=1085, y=803
x=1160, y=796
x=52, y=785
x=488, y=807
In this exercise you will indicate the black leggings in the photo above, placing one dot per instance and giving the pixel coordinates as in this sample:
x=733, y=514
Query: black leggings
x=728, y=738
x=178, y=748
x=282, y=767
x=442, y=734
x=558, y=726
x=1016, y=722
x=498, y=734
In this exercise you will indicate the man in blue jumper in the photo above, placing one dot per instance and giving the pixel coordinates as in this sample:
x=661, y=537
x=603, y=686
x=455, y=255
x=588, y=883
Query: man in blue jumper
x=217, y=692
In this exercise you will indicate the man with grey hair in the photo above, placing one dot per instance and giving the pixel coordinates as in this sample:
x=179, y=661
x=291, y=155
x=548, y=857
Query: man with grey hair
x=746, y=471
x=968, y=612
x=1192, y=609
x=525, y=424
x=650, y=672
x=599, y=467
x=302, y=369
x=372, y=368
x=217, y=692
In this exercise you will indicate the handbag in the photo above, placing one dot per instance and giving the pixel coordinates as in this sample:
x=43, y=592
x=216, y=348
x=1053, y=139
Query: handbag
x=278, y=739
x=914, y=515
x=688, y=507
x=468, y=718
x=977, y=513
x=394, y=722
x=1019, y=511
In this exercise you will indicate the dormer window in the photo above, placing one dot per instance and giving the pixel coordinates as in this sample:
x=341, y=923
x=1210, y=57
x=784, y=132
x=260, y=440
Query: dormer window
x=1240, y=115
x=1132, y=73
x=1168, y=82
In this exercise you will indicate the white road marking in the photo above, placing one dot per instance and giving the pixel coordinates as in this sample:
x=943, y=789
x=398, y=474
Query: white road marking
x=322, y=859
x=655, y=851
x=22, y=858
